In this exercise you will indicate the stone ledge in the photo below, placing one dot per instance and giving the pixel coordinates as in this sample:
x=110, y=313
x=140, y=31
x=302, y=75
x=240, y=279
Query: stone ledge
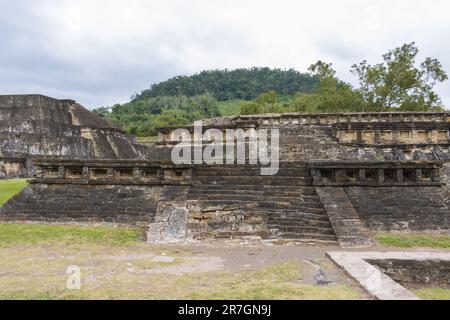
x=375, y=282
x=346, y=223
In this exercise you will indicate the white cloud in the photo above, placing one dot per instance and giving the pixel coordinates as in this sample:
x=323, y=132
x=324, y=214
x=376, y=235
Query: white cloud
x=100, y=52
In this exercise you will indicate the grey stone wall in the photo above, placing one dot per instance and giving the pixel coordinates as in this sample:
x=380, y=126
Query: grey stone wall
x=401, y=208
x=34, y=126
x=416, y=273
x=171, y=216
x=130, y=205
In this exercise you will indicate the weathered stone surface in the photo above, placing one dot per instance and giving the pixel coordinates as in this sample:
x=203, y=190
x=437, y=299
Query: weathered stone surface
x=235, y=201
x=38, y=126
x=414, y=273
x=368, y=268
x=401, y=208
x=347, y=225
x=366, y=159
x=129, y=205
x=171, y=216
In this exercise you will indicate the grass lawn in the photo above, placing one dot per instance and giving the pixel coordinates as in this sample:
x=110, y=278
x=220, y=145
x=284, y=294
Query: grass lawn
x=24, y=234
x=414, y=240
x=9, y=188
x=115, y=265
x=433, y=294
x=276, y=282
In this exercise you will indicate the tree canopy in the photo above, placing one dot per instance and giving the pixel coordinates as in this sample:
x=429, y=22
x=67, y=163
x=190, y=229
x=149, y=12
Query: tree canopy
x=144, y=117
x=244, y=84
x=398, y=83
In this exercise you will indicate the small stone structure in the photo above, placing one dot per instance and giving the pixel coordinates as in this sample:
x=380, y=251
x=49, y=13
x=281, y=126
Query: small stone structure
x=36, y=126
x=341, y=176
x=382, y=274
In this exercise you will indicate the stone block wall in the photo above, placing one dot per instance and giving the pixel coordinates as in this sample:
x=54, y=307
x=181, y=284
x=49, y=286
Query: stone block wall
x=401, y=208
x=416, y=273
x=66, y=203
x=14, y=168
x=38, y=126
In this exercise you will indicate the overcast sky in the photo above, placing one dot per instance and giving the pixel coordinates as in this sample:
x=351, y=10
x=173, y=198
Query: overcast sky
x=99, y=52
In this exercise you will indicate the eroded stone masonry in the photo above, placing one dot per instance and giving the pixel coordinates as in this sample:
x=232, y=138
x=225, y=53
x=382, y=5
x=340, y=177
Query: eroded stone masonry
x=341, y=176
x=36, y=126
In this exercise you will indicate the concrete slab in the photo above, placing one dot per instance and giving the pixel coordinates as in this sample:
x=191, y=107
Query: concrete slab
x=375, y=282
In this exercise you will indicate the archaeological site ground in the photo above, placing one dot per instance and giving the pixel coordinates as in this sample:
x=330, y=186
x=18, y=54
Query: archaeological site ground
x=358, y=208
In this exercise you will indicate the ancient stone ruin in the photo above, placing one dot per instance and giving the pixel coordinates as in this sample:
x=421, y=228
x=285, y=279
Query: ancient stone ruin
x=36, y=126
x=341, y=176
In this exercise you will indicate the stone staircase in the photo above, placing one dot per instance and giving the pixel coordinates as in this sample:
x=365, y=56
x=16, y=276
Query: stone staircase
x=284, y=207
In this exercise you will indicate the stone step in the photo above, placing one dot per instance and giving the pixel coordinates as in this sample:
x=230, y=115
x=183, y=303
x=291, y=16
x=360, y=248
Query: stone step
x=246, y=204
x=287, y=215
x=310, y=198
x=303, y=190
x=195, y=191
x=307, y=239
x=278, y=222
x=301, y=230
x=233, y=234
x=314, y=236
x=293, y=201
x=266, y=205
x=308, y=242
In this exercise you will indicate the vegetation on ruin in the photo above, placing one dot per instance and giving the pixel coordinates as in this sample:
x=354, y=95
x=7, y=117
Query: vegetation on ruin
x=433, y=293
x=398, y=83
x=25, y=234
x=9, y=188
x=414, y=240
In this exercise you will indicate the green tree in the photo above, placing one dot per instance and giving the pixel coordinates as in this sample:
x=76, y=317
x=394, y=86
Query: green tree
x=143, y=117
x=322, y=70
x=332, y=94
x=399, y=83
x=265, y=103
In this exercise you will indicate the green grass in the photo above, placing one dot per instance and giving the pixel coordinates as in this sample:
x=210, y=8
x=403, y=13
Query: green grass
x=433, y=294
x=277, y=282
x=109, y=279
x=14, y=234
x=229, y=108
x=414, y=240
x=9, y=188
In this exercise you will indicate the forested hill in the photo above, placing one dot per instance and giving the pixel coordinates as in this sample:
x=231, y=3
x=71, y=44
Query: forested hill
x=244, y=84
x=399, y=83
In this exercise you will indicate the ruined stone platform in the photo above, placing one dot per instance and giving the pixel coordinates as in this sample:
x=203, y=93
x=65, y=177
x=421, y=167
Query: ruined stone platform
x=341, y=178
x=36, y=126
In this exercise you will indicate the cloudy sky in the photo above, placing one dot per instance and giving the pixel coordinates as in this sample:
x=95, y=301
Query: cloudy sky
x=99, y=52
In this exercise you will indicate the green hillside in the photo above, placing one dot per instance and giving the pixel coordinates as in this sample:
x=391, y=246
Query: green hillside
x=225, y=85
x=399, y=83
x=182, y=100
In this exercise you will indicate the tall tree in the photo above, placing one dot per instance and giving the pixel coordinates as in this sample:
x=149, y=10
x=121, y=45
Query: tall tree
x=332, y=94
x=399, y=83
